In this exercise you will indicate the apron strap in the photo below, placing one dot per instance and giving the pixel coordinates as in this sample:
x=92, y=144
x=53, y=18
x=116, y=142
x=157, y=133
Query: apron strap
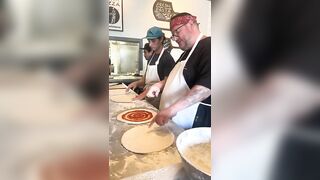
x=145, y=72
x=195, y=45
x=206, y=104
x=157, y=62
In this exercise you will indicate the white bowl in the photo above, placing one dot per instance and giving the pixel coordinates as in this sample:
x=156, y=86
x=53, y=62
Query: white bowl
x=189, y=138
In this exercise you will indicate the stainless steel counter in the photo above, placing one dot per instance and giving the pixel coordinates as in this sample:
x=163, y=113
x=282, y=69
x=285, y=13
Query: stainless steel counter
x=123, y=163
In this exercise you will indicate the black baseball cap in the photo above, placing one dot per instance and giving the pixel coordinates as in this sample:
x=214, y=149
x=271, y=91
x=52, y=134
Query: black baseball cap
x=147, y=47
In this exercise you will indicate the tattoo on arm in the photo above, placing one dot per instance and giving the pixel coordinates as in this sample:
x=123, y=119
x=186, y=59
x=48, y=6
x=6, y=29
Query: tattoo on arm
x=197, y=94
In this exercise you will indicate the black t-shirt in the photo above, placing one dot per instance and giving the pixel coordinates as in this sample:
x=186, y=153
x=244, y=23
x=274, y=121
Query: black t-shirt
x=165, y=65
x=197, y=70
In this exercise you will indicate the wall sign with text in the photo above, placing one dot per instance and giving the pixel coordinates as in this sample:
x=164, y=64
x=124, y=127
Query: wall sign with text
x=115, y=15
x=163, y=10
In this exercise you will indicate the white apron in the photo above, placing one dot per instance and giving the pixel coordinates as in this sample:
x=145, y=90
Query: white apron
x=177, y=88
x=152, y=76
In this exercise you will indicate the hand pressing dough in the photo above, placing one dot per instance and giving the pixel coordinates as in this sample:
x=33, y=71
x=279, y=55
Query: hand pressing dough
x=123, y=98
x=142, y=139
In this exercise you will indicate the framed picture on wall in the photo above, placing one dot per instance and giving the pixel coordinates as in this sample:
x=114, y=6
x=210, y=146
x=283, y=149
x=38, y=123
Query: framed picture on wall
x=115, y=15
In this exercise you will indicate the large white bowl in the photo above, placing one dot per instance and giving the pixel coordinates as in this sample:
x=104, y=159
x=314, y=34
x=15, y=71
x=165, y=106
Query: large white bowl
x=188, y=138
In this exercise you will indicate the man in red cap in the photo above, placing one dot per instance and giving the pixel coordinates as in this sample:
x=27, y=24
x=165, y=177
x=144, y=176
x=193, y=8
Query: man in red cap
x=186, y=93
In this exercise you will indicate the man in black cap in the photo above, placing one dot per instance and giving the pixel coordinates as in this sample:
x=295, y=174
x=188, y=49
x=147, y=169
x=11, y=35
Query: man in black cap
x=147, y=51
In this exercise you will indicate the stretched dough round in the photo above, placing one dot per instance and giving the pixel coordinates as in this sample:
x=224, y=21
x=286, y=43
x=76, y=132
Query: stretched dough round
x=115, y=92
x=142, y=139
x=122, y=98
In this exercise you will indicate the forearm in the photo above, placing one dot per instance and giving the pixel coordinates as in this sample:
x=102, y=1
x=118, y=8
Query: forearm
x=141, y=82
x=155, y=89
x=161, y=84
x=197, y=94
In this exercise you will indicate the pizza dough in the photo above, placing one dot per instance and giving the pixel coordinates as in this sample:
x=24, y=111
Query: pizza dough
x=113, y=84
x=123, y=98
x=136, y=116
x=142, y=139
x=114, y=92
x=117, y=86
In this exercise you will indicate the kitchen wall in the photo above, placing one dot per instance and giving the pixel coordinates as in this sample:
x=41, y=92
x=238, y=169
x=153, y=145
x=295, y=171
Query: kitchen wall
x=138, y=18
